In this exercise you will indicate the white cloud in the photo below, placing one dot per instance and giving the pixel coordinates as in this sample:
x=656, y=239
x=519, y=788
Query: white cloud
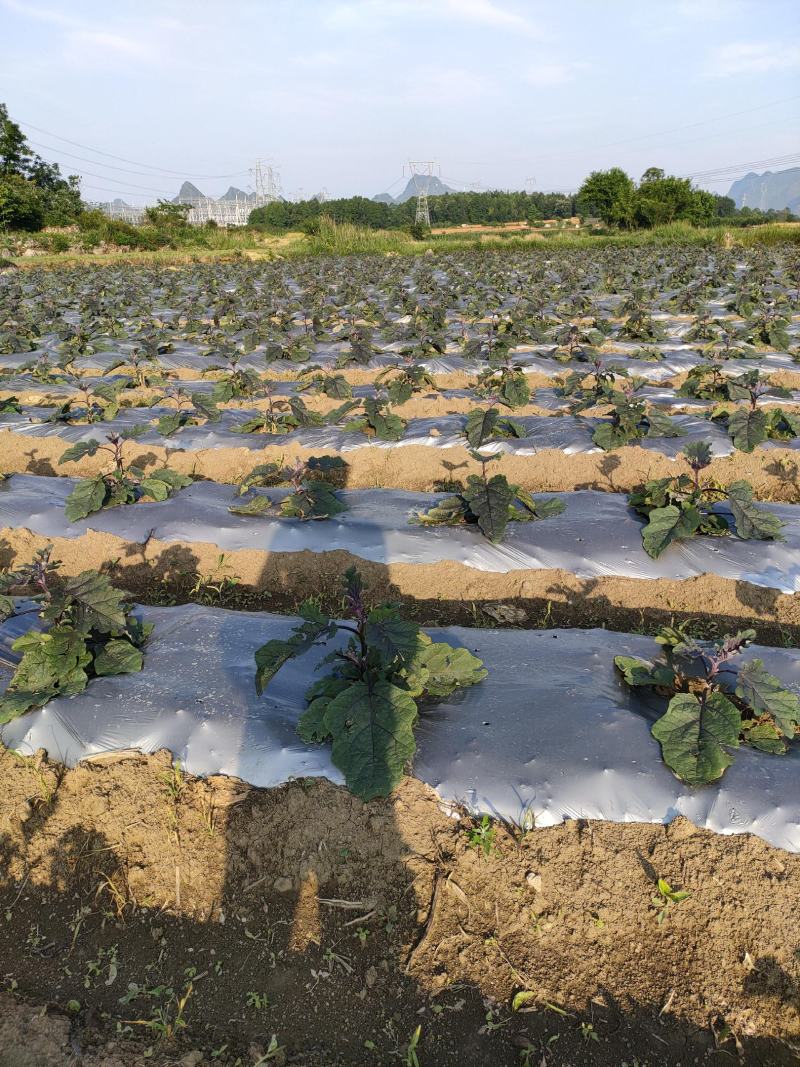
x=546, y=74
x=500, y=15
x=89, y=44
x=751, y=57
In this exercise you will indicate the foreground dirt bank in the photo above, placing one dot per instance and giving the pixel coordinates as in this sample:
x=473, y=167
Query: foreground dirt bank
x=198, y=918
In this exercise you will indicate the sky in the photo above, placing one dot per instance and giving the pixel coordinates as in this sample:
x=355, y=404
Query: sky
x=338, y=94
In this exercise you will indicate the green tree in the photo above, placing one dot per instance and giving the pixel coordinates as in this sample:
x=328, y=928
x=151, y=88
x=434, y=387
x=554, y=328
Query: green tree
x=21, y=205
x=15, y=154
x=168, y=216
x=34, y=193
x=609, y=195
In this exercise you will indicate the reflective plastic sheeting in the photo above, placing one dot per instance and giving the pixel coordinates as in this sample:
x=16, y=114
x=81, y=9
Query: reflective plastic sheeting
x=566, y=433
x=552, y=731
x=597, y=535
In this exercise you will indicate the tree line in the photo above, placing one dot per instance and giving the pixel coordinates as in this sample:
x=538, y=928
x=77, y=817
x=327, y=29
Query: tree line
x=33, y=192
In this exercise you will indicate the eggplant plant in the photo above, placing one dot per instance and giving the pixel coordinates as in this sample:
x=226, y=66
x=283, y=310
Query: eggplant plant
x=749, y=426
x=370, y=698
x=190, y=410
x=87, y=632
x=641, y=326
x=630, y=418
x=402, y=382
x=677, y=508
x=335, y=386
x=487, y=424
x=504, y=385
x=377, y=420
x=123, y=484
x=92, y=403
x=488, y=503
x=312, y=482
x=713, y=707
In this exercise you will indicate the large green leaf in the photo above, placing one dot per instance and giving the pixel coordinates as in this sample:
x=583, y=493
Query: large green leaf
x=480, y=426
x=669, y=524
x=88, y=496
x=316, y=500
x=489, y=502
x=692, y=732
x=390, y=635
x=450, y=511
x=608, y=436
x=256, y=505
x=118, y=657
x=168, y=424
x=765, y=694
x=752, y=522
x=747, y=428
x=640, y=672
x=515, y=390
x=372, y=726
x=661, y=425
x=765, y=737
x=272, y=656
x=79, y=450
x=15, y=702
x=311, y=724
x=438, y=669
x=52, y=662
x=101, y=603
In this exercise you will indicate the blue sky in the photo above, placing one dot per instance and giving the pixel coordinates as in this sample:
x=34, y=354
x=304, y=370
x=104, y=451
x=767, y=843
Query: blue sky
x=337, y=93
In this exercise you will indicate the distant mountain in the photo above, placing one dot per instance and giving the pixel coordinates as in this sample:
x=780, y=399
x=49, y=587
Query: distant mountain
x=188, y=192
x=779, y=189
x=434, y=186
x=237, y=194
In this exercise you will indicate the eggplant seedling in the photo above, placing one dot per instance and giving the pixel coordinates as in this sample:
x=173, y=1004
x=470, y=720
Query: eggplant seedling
x=367, y=704
x=123, y=484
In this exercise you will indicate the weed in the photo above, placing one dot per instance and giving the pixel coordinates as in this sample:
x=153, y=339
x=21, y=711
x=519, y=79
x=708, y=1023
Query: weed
x=588, y=1032
x=482, y=836
x=667, y=897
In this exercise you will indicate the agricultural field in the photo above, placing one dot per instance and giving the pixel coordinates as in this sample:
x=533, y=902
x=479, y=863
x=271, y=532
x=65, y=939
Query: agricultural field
x=399, y=661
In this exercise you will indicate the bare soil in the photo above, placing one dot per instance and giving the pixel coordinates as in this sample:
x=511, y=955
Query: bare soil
x=444, y=593
x=774, y=475
x=341, y=927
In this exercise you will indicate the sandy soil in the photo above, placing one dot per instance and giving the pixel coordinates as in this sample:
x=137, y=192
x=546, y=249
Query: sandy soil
x=341, y=927
x=774, y=475
x=435, y=594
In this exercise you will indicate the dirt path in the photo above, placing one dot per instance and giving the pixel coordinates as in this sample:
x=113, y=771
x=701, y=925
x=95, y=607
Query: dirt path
x=142, y=899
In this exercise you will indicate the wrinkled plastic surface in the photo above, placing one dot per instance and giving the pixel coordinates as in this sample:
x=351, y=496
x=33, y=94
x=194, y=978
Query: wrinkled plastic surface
x=565, y=433
x=552, y=731
x=596, y=536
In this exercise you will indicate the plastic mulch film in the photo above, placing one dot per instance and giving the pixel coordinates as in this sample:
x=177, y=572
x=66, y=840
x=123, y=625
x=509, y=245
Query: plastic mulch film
x=597, y=535
x=565, y=433
x=552, y=732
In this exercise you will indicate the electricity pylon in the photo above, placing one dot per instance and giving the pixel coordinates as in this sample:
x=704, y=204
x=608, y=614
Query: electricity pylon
x=266, y=181
x=422, y=168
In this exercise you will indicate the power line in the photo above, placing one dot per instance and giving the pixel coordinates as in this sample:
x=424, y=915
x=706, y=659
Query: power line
x=96, y=162
x=730, y=168
x=122, y=159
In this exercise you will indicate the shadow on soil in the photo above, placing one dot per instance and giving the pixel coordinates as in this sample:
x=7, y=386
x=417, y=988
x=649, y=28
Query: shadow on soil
x=202, y=921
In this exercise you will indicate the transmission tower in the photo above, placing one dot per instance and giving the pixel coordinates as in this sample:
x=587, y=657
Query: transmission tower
x=421, y=171
x=266, y=181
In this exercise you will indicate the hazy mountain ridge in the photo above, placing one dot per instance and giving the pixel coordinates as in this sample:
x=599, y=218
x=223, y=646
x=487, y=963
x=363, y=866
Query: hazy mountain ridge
x=434, y=186
x=773, y=189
